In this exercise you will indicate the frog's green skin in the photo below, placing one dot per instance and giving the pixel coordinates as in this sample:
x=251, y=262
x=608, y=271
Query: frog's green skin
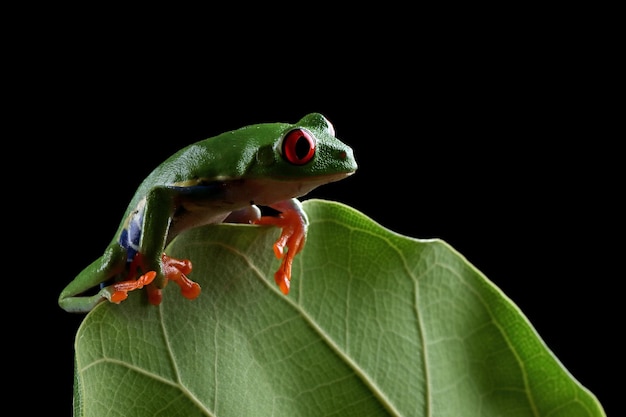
x=205, y=183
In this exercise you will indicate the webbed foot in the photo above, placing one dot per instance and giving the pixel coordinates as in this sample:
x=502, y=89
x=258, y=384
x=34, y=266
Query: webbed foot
x=173, y=269
x=293, y=235
x=176, y=270
x=120, y=289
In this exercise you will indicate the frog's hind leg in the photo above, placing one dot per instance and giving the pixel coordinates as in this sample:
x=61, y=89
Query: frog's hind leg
x=74, y=296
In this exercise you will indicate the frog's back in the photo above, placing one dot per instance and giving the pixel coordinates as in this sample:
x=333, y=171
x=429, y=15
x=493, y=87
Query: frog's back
x=226, y=156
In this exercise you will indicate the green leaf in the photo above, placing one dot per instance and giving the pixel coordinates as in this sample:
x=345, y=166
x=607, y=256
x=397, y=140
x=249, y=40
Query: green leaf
x=376, y=324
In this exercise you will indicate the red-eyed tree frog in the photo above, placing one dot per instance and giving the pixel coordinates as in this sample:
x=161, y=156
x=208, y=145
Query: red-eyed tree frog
x=221, y=179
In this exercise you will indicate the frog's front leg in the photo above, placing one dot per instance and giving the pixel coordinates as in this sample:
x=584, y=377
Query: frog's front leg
x=174, y=270
x=294, y=224
x=146, y=238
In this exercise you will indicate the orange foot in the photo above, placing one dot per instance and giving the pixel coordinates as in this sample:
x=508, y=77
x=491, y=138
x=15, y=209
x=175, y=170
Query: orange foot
x=121, y=288
x=174, y=270
x=292, y=236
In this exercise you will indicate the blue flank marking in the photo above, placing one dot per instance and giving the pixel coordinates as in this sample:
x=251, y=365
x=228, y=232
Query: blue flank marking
x=203, y=191
x=130, y=237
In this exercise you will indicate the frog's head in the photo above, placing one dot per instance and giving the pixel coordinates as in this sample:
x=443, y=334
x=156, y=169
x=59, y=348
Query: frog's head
x=306, y=149
x=268, y=161
x=289, y=160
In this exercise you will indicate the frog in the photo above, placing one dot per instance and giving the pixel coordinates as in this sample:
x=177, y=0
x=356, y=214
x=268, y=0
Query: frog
x=254, y=175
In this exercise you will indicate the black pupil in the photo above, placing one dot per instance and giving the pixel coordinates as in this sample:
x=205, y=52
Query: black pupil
x=302, y=147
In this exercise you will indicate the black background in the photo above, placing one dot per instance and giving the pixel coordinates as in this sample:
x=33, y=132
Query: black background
x=500, y=151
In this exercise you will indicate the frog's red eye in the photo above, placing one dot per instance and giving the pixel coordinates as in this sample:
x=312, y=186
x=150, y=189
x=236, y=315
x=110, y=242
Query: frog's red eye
x=298, y=146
